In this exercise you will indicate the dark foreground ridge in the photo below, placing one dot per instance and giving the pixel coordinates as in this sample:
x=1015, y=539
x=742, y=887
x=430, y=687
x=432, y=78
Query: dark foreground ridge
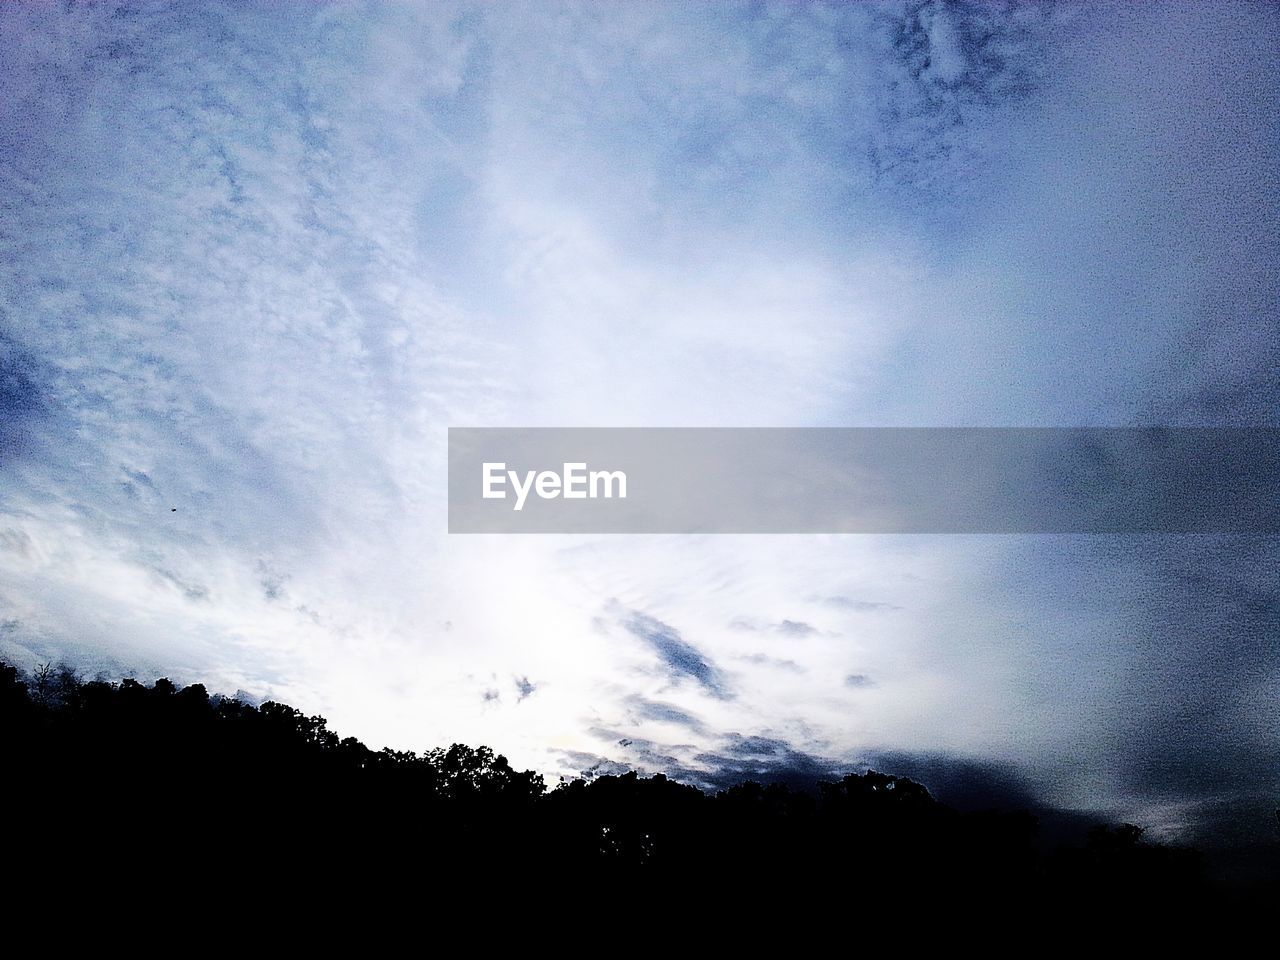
x=200, y=788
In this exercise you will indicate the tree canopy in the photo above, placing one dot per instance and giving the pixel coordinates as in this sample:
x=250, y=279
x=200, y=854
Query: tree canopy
x=111, y=769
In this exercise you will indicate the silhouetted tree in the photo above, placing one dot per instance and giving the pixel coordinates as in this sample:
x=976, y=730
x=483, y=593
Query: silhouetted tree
x=99, y=774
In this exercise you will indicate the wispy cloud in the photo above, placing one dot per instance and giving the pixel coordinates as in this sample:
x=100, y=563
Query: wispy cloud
x=681, y=658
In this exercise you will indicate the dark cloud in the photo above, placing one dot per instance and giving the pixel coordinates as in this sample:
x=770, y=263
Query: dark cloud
x=22, y=398
x=491, y=696
x=755, y=746
x=765, y=760
x=1199, y=709
x=654, y=757
x=643, y=757
x=1190, y=719
x=681, y=657
x=20, y=377
x=949, y=67
x=858, y=681
x=741, y=758
x=524, y=688
x=963, y=783
x=662, y=713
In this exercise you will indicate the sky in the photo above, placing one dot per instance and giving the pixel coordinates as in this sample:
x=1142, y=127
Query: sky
x=257, y=258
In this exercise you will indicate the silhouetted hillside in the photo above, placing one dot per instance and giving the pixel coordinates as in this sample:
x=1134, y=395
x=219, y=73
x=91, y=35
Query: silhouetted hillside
x=202, y=785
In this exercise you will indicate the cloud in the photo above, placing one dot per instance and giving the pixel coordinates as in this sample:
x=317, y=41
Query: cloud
x=858, y=681
x=243, y=696
x=764, y=660
x=765, y=760
x=681, y=657
x=761, y=759
x=850, y=603
x=786, y=628
x=963, y=782
x=947, y=69
x=795, y=628
x=588, y=766
x=22, y=400
x=660, y=712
